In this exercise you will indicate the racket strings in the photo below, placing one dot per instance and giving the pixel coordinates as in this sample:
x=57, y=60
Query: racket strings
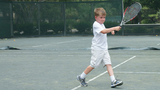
x=132, y=11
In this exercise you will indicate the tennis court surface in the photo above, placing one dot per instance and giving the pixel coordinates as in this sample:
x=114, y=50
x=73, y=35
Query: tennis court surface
x=52, y=63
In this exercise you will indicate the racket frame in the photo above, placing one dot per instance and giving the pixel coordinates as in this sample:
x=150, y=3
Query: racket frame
x=123, y=22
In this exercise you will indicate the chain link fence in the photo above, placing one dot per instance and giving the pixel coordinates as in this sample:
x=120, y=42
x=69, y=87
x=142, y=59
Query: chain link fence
x=55, y=18
x=20, y=19
x=63, y=19
x=5, y=19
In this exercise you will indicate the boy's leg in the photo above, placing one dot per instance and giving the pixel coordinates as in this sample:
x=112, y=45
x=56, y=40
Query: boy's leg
x=81, y=77
x=96, y=59
x=86, y=71
x=114, y=82
x=110, y=72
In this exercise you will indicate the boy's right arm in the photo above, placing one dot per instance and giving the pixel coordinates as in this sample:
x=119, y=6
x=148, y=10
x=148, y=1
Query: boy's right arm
x=108, y=30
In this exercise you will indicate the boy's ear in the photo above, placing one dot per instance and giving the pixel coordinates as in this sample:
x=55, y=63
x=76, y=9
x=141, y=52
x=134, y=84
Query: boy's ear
x=95, y=17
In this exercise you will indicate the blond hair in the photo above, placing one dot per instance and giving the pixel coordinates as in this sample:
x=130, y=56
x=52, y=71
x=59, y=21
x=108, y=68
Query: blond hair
x=99, y=12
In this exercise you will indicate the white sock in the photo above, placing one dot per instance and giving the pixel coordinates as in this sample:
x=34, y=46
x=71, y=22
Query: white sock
x=112, y=78
x=83, y=75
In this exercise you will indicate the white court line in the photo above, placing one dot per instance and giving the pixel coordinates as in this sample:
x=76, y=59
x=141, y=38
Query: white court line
x=139, y=72
x=158, y=44
x=43, y=55
x=68, y=41
x=105, y=72
x=58, y=43
x=41, y=45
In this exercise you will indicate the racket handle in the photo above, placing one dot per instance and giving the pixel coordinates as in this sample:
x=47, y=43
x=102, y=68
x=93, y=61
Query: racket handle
x=117, y=31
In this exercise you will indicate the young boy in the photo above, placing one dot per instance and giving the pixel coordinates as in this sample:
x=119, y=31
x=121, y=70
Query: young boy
x=99, y=48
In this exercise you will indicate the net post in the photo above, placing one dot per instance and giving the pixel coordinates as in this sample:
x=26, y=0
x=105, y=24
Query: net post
x=122, y=30
x=154, y=30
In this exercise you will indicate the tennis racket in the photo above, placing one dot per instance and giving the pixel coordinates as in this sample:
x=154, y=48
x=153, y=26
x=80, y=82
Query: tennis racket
x=131, y=12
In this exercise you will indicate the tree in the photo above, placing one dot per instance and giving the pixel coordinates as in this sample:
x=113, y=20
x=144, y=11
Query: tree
x=152, y=9
x=154, y=4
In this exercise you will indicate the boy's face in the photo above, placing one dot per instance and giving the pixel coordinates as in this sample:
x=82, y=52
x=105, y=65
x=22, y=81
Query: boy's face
x=100, y=19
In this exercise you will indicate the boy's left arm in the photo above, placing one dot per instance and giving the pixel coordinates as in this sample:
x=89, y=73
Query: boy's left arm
x=113, y=32
x=108, y=30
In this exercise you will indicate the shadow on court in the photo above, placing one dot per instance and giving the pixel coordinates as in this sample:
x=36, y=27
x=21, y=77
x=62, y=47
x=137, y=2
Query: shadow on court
x=52, y=63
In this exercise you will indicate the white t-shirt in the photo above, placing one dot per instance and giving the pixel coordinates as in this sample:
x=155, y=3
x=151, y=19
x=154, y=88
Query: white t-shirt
x=99, y=41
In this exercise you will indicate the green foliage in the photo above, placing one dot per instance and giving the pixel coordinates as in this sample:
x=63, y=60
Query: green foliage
x=47, y=12
x=24, y=29
x=110, y=24
x=83, y=26
x=144, y=21
x=44, y=27
x=53, y=16
x=153, y=4
x=58, y=27
x=52, y=28
x=24, y=12
x=149, y=16
x=112, y=8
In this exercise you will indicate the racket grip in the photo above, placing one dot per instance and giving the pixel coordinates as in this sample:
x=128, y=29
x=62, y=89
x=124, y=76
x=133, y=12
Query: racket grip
x=117, y=31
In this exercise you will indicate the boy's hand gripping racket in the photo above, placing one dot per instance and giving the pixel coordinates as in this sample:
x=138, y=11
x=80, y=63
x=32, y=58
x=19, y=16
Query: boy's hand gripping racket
x=131, y=12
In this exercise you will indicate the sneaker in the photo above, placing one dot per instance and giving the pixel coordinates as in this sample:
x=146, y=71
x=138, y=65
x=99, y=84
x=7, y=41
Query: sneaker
x=82, y=81
x=116, y=83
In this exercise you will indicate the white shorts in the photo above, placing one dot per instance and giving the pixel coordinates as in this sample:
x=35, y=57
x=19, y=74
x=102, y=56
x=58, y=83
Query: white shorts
x=98, y=57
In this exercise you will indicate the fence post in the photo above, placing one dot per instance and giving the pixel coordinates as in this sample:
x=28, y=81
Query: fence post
x=11, y=19
x=64, y=18
x=39, y=29
x=92, y=14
